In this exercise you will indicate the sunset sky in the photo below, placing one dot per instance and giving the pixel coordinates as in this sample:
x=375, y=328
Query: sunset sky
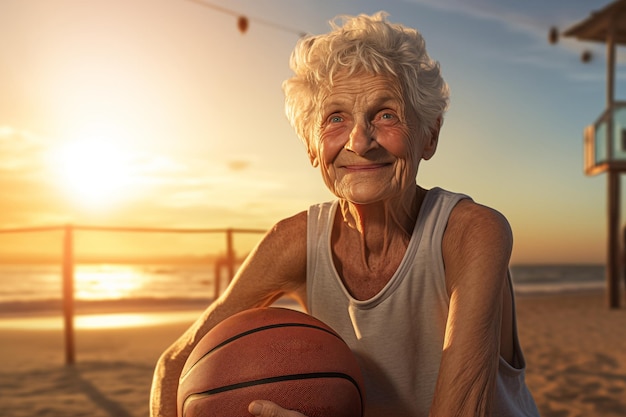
x=161, y=113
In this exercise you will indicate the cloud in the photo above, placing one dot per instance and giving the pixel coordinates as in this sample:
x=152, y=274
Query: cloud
x=217, y=187
x=158, y=186
x=20, y=152
x=531, y=17
x=483, y=10
x=26, y=192
x=33, y=191
x=532, y=20
x=238, y=165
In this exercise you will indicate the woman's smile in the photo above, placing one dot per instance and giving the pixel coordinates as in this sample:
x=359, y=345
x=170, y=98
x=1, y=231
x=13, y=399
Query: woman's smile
x=365, y=167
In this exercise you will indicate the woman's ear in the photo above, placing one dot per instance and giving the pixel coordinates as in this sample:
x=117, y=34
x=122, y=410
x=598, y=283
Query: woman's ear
x=431, y=143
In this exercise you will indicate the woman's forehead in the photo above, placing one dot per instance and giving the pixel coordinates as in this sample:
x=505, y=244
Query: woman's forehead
x=372, y=87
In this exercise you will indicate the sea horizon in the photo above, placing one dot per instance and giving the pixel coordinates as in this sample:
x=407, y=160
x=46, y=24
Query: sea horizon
x=152, y=283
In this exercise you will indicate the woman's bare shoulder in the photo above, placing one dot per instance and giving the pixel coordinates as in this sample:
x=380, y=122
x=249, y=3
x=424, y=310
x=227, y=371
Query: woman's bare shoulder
x=478, y=242
x=471, y=220
x=288, y=227
x=283, y=249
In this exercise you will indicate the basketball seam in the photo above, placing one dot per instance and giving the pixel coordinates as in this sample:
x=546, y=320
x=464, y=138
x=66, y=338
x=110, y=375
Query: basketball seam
x=270, y=380
x=252, y=331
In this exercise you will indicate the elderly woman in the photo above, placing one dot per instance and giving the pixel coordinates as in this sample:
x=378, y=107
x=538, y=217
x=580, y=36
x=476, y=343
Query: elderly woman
x=416, y=281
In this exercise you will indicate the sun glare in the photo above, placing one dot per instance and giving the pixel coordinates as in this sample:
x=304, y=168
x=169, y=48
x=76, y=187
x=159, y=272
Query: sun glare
x=96, y=173
x=107, y=282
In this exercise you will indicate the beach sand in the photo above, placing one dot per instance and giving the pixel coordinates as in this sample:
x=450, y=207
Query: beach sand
x=575, y=348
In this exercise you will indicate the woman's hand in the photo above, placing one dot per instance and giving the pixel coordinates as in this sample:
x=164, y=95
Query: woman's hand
x=269, y=409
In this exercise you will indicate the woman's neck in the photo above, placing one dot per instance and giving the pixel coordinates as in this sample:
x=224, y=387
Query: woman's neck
x=381, y=224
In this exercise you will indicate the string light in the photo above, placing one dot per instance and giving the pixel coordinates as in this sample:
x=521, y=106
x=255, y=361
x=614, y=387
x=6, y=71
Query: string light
x=243, y=22
x=553, y=38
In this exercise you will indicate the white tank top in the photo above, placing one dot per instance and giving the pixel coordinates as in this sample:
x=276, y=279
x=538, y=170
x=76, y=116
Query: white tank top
x=400, y=364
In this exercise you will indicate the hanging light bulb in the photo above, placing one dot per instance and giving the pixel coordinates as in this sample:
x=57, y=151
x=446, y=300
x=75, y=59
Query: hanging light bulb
x=553, y=35
x=242, y=24
x=586, y=56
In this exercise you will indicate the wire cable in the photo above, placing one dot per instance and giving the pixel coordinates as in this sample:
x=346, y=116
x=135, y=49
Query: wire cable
x=243, y=19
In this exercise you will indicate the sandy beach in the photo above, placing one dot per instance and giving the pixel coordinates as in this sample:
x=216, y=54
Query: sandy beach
x=575, y=348
x=574, y=345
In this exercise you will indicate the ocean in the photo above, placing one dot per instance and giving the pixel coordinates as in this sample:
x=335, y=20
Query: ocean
x=25, y=288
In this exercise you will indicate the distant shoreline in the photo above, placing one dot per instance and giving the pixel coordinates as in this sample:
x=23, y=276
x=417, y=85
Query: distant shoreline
x=13, y=309
x=200, y=259
x=116, y=260
x=46, y=308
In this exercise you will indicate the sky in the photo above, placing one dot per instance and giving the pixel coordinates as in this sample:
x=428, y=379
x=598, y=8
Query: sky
x=161, y=113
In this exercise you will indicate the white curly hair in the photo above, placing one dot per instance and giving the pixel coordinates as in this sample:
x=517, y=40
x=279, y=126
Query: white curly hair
x=370, y=44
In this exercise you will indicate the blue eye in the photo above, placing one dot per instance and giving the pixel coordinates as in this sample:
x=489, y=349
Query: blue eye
x=336, y=119
x=387, y=116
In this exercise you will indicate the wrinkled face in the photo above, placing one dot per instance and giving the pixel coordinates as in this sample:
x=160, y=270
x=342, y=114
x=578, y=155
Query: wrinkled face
x=369, y=148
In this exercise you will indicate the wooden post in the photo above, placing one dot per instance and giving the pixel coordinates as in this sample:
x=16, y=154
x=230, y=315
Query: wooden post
x=613, y=264
x=230, y=254
x=613, y=186
x=219, y=262
x=623, y=257
x=68, y=294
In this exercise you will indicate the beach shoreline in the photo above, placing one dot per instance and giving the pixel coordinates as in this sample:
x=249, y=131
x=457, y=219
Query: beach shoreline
x=573, y=344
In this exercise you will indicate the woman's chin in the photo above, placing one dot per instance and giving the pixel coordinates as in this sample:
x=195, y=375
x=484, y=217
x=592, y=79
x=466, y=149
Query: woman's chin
x=364, y=196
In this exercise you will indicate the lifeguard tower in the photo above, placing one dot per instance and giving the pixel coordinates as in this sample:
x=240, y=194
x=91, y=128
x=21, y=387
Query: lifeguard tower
x=605, y=140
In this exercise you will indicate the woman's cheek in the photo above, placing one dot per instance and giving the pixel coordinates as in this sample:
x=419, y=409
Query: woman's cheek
x=329, y=149
x=397, y=141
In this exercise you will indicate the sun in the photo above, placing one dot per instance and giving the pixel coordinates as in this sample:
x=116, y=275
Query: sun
x=94, y=172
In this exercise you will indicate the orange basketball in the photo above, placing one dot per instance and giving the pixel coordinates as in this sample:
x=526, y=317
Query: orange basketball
x=275, y=354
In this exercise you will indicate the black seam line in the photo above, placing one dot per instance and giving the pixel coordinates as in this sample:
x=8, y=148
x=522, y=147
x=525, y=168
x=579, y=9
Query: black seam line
x=315, y=375
x=258, y=329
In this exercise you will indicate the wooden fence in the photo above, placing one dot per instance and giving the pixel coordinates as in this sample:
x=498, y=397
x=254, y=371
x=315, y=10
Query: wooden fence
x=68, y=264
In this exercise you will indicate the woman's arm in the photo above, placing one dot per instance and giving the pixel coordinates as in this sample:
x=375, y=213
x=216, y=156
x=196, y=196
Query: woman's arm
x=277, y=266
x=476, y=247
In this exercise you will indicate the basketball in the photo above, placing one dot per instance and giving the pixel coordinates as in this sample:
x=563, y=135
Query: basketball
x=276, y=354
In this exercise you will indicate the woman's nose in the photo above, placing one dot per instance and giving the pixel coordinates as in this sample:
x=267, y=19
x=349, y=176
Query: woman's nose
x=361, y=139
